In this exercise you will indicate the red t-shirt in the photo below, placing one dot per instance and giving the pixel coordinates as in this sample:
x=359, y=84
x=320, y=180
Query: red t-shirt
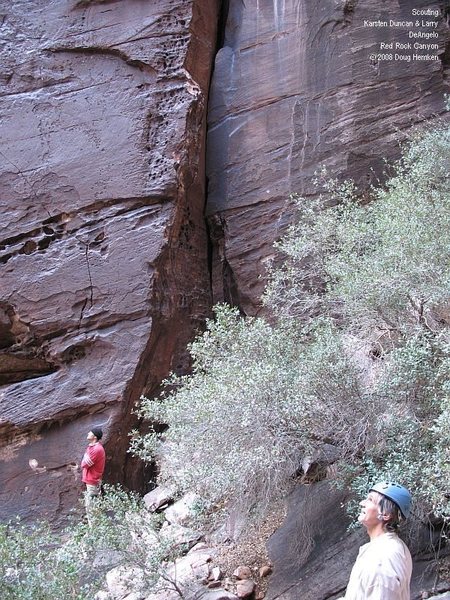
x=93, y=464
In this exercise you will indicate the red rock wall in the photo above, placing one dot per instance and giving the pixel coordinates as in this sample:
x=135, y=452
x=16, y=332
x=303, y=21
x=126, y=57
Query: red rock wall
x=103, y=250
x=294, y=88
x=104, y=272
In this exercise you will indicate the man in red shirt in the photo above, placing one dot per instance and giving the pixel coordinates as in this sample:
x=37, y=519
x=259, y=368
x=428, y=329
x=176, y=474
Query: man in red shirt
x=93, y=465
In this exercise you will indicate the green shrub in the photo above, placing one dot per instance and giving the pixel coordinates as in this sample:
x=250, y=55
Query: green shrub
x=35, y=565
x=120, y=524
x=383, y=266
x=355, y=353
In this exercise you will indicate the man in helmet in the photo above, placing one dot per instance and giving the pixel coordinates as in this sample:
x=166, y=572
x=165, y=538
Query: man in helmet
x=382, y=570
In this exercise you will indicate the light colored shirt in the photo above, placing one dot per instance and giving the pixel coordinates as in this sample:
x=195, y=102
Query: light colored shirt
x=382, y=570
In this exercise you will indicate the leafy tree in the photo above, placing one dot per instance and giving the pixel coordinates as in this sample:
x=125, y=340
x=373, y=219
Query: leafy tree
x=354, y=354
x=384, y=269
x=260, y=400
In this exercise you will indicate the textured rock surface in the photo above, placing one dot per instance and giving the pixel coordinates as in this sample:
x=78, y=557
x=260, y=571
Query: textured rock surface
x=103, y=246
x=158, y=497
x=294, y=88
x=312, y=553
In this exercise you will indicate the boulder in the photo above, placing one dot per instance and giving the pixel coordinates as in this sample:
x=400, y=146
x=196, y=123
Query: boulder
x=123, y=581
x=245, y=588
x=265, y=571
x=181, y=511
x=157, y=498
x=242, y=572
x=191, y=569
x=216, y=574
x=313, y=552
x=179, y=535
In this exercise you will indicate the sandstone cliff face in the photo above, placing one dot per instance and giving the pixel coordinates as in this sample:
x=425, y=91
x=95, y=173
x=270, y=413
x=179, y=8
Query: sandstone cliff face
x=104, y=272
x=294, y=88
x=103, y=246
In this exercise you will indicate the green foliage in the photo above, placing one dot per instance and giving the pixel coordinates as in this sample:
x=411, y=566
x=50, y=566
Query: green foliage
x=37, y=563
x=356, y=353
x=34, y=565
x=414, y=448
x=120, y=523
x=267, y=397
x=237, y=404
x=384, y=266
x=385, y=274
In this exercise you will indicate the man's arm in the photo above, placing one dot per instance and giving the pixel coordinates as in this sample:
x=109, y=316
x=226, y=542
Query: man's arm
x=383, y=588
x=87, y=459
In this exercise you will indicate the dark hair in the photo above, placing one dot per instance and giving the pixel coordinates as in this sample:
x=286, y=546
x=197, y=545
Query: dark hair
x=97, y=431
x=388, y=508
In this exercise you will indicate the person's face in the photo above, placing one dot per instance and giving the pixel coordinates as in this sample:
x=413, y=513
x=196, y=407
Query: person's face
x=370, y=509
x=90, y=437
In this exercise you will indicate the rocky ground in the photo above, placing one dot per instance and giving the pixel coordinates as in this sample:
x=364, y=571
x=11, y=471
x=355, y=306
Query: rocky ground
x=221, y=567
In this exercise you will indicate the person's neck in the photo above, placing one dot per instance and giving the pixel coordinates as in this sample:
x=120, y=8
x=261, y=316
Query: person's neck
x=376, y=531
x=93, y=443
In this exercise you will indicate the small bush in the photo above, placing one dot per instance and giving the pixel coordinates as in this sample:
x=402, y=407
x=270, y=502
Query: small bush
x=37, y=563
x=119, y=522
